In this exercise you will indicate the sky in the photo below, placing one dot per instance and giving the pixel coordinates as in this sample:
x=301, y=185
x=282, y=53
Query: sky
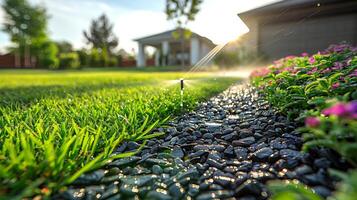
x=132, y=19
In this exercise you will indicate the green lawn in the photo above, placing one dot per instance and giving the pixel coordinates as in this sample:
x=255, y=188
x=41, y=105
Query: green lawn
x=55, y=125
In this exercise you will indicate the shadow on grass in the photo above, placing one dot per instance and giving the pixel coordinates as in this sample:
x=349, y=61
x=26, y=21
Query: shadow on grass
x=25, y=96
x=97, y=69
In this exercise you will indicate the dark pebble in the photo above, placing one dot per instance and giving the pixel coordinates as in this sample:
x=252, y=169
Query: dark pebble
x=177, y=152
x=132, y=146
x=251, y=188
x=322, y=191
x=263, y=154
x=214, y=163
x=245, y=142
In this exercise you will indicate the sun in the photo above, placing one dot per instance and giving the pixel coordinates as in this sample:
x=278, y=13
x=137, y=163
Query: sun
x=221, y=27
x=230, y=30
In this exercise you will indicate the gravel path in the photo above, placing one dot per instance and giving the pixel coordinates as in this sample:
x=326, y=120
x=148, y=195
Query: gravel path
x=227, y=149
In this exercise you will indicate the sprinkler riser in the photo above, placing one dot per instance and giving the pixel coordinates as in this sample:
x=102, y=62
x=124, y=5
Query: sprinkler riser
x=182, y=84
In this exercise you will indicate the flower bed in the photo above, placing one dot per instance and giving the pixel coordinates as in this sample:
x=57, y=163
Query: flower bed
x=320, y=90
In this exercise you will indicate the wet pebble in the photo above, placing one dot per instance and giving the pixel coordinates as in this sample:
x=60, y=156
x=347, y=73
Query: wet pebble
x=245, y=142
x=263, y=153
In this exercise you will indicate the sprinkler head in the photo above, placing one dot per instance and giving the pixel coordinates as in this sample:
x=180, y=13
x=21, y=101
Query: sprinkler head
x=181, y=83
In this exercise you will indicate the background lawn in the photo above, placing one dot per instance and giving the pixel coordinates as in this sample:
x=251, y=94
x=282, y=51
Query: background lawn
x=55, y=125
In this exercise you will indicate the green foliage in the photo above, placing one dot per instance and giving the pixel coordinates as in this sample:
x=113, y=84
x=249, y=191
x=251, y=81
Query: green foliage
x=292, y=190
x=231, y=57
x=347, y=190
x=182, y=11
x=103, y=57
x=23, y=21
x=113, y=62
x=334, y=132
x=100, y=35
x=182, y=33
x=55, y=126
x=69, y=60
x=95, y=58
x=227, y=58
x=64, y=47
x=84, y=57
x=47, y=55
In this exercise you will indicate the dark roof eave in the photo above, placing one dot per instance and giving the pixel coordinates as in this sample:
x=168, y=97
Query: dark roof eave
x=280, y=6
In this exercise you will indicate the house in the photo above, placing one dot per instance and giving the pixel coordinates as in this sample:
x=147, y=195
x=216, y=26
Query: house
x=170, y=51
x=291, y=27
x=11, y=60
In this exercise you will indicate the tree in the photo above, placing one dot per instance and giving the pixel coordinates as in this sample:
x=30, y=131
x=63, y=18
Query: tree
x=84, y=57
x=27, y=26
x=69, y=60
x=64, y=47
x=182, y=12
x=46, y=53
x=101, y=36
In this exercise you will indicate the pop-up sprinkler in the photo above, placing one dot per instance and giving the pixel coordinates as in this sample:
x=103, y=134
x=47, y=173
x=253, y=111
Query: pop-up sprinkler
x=182, y=89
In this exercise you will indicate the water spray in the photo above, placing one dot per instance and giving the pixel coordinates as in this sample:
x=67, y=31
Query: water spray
x=182, y=86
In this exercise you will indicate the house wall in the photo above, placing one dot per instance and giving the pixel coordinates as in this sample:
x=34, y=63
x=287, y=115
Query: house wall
x=11, y=61
x=195, y=49
x=250, y=40
x=205, y=49
x=310, y=35
x=7, y=61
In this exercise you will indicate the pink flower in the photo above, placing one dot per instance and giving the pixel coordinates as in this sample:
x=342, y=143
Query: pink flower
x=260, y=72
x=348, y=110
x=313, y=70
x=312, y=60
x=337, y=66
x=290, y=69
x=327, y=70
x=278, y=71
x=353, y=74
x=352, y=109
x=278, y=63
x=335, y=85
x=338, y=109
x=289, y=57
x=304, y=54
x=312, y=121
x=337, y=48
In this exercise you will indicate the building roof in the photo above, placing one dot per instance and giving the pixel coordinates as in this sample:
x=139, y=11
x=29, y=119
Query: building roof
x=303, y=5
x=167, y=35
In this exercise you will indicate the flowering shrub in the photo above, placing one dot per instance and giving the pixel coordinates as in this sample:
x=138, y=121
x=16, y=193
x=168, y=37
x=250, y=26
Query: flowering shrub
x=320, y=90
x=314, y=88
x=297, y=84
